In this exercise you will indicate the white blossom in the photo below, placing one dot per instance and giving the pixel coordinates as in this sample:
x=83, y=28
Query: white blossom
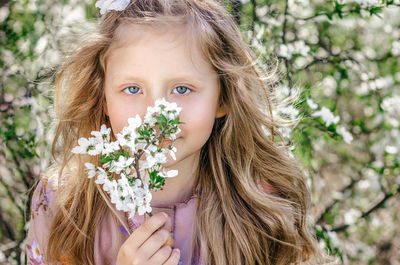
x=101, y=176
x=149, y=119
x=127, y=137
x=134, y=197
x=109, y=148
x=172, y=153
x=171, y=173
x=134, y=122
x=173, y=136
x=92, y=170
x=327, y=116
x=104, y=132
x=151, y=160
x=82, y=147
x=121, y=164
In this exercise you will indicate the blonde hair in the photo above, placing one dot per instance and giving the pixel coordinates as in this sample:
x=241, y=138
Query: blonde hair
x=249, y=226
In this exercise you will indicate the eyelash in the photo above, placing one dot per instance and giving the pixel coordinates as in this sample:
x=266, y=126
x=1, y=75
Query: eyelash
x=127, y=88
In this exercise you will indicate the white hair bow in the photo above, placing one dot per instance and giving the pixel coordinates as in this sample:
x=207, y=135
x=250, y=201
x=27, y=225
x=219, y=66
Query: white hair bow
x=107, y=5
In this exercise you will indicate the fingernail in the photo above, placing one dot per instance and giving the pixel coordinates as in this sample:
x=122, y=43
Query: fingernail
x=166, y=215
x=177, y=250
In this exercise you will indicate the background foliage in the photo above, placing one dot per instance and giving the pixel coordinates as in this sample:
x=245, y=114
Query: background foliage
x=344, y=55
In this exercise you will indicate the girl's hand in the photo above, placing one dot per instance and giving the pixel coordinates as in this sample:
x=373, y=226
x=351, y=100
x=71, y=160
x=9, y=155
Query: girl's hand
x=146, y=245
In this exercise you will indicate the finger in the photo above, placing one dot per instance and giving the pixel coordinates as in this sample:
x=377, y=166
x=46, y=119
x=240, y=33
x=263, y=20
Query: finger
x=144, y=231
x=161, y=255
x=174, y=258
x=153, y=243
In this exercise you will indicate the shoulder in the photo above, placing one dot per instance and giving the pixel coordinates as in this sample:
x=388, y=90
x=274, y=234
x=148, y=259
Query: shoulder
x=48, y=188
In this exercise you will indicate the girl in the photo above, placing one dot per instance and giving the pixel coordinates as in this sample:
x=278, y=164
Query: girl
x=238, y=199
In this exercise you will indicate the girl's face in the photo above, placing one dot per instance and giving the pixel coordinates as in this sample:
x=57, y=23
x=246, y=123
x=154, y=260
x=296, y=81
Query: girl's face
x=146, y=64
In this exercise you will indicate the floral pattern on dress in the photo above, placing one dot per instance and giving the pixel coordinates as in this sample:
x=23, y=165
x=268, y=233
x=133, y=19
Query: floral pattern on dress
x=43, y=198
x=123, y=230
x=34, y=254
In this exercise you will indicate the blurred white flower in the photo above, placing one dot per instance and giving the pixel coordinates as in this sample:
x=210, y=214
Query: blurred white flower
x=367, y=3
x=391, y=105
x=260, y=33
x=347, y=137
x=285, y=91
x=384, y=82
x=329, y=86
x=390, y=149
x=2, y=256
x=364, y=184
x=285, y=131
x=300, y=47
x=286, y=51
x=311, y=103
x=351, y=216
x=334, y=238
x=327, y=116
x=289, y=111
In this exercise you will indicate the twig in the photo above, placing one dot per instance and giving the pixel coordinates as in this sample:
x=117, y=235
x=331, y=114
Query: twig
x=236, y=10
x=10, y=195
x=254, y=15
x=329, y=207
x=378, y=205
x=7, y=227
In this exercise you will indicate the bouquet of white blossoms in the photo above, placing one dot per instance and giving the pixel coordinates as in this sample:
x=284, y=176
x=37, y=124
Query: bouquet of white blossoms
x=120, y=158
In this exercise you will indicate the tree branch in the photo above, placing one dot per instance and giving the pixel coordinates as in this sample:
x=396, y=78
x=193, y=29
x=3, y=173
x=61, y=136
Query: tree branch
x=378, y=205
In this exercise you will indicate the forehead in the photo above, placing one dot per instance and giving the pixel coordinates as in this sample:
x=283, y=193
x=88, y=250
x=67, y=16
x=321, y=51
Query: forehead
x=176, y=42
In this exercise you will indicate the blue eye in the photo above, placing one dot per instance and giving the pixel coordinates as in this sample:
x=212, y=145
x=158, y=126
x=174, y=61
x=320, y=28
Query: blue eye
x=131, y=89
x=182, y=91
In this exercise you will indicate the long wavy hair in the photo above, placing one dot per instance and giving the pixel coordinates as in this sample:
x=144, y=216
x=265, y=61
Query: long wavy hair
x=249, y=226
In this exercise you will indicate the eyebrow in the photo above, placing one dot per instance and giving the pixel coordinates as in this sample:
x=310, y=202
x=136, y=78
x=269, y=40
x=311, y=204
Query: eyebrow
x=185, y=76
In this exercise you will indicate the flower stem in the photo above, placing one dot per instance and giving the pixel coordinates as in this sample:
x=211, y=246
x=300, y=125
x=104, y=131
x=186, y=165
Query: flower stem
x=161, y=134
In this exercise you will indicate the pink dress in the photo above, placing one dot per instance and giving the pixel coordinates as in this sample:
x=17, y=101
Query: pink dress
x=110, y=235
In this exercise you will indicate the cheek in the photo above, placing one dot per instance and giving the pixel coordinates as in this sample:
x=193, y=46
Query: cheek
x=117, y=121
x=199, y=121
x=118, y=115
